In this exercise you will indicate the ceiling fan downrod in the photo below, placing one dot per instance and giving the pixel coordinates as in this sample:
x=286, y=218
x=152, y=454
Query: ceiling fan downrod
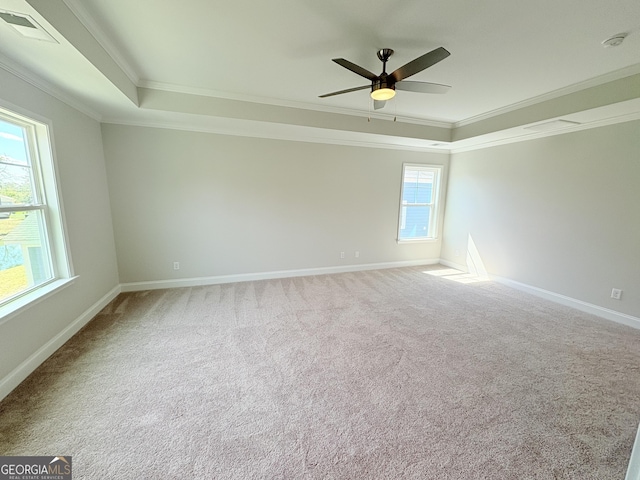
x=383, y=55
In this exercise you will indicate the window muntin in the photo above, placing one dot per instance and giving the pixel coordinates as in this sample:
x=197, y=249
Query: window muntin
x=27, y=239
x=418, y=210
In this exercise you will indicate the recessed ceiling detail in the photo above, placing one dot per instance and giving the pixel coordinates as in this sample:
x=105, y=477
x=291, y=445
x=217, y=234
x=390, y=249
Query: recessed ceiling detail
x=117, y=65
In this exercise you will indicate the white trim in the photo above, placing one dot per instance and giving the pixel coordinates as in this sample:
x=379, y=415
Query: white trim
x=633, y=472
x=597, y=310
x=33, y=296
x=602, y=312
x=46, y=87
x=81, y=13
x=22, y=371
x=64, y=263
x=249, y=277
x=576, y=87
x=291, y=133
x=522, y=134
x=206, y=92
x=417, y=240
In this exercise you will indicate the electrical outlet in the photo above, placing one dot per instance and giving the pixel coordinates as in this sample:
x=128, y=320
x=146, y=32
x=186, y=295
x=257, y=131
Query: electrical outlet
x=176, y=265
x=616, y=293
x=357, y=254
x=341, y=254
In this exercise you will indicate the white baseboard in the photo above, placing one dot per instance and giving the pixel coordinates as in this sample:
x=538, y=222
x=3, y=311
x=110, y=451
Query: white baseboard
x=603, y=312
x=22, y=371
x=248, y=277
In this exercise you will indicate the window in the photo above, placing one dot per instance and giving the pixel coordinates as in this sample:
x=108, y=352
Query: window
x=32, y=248
x=418, y=211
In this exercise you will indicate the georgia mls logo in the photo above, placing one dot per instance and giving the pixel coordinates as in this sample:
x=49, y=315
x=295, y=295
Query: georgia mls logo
x=65, y=466
x=35, y=468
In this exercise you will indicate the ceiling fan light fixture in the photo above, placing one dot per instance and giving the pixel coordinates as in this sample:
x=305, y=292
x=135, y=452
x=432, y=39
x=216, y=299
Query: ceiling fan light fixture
x=382, y=94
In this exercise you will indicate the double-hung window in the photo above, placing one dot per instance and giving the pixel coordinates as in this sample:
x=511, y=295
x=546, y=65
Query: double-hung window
x=32, y=247
x=418, y=203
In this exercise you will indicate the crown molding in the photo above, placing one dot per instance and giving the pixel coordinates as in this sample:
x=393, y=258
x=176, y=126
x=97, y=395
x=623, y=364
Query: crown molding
x=576, y=87
x=32, y=78
x=292, y=133
x=81, y=13
x=205, y=92
x=523, y=135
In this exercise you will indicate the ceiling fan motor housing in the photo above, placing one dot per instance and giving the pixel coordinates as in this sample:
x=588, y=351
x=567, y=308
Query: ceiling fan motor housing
x=383, y=81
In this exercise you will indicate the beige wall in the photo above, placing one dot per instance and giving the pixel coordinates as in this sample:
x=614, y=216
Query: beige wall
x=83, y=187
x=226, y=205
x=560, y=213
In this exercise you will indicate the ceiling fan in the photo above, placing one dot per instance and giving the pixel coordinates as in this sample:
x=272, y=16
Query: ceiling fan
x=384, y=86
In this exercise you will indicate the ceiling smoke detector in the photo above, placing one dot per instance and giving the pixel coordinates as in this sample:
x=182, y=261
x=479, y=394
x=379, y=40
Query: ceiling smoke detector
x=614, y=41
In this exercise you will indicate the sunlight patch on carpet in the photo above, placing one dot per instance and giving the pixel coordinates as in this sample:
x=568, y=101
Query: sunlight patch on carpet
x=458, y=276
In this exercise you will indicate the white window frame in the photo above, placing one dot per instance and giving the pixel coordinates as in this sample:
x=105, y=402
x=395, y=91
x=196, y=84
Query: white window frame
x=432, y=230
x=48, y=202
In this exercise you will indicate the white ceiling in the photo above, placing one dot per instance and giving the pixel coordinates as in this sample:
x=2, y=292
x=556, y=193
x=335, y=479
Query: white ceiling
x=505, y=57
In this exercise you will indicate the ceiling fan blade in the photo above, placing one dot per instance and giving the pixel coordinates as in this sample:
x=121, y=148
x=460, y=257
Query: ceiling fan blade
x=420, y=63
x=355, y=89
x=422, y=87
x=378, y=104
x=363, y=72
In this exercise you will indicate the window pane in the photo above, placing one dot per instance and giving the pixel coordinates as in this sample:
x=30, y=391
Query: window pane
x=13, y=144
x=24, y=256
x=415, y=222
x=417, y=186
x=423, y=193
x=15, y=185
x=410, y=186
x=15, y=169
x=425, y=187
x=409, y=193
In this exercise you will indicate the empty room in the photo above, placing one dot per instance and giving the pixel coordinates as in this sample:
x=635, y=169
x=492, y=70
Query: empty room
x=319, y=239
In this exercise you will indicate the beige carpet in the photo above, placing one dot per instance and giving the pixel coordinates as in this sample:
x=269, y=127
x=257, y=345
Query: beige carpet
x=382, y=374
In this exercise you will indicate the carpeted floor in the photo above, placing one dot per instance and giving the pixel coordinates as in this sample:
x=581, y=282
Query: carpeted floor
x=389, y=374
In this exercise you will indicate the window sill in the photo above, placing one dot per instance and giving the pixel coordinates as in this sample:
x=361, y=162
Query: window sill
x=416, y=240
x=25, y=301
